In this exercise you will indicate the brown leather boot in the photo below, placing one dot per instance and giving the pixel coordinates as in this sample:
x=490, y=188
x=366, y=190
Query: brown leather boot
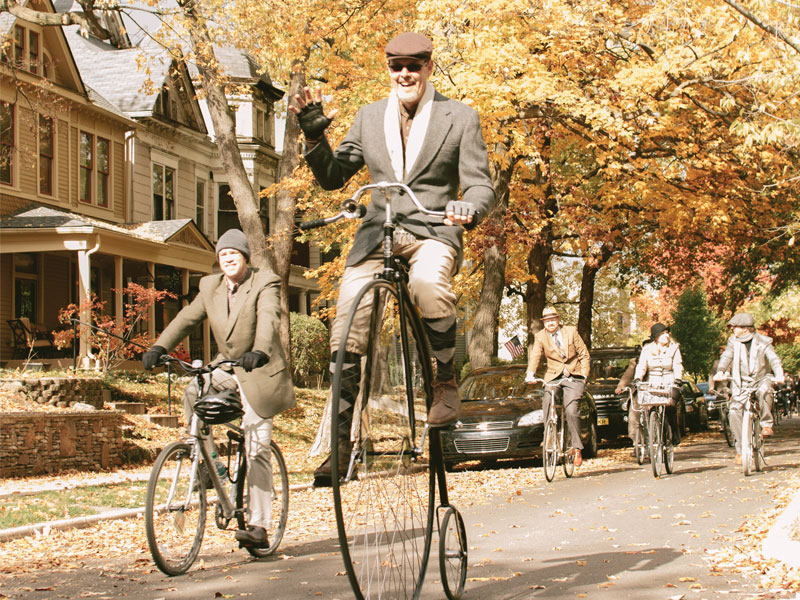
x=446, y=407
x=322, y=475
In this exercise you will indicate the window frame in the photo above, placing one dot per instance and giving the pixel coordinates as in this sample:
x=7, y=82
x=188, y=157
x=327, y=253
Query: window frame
x=42, y=157
x=100, y=176
x=200, y=204
x=35, y=279
x=12, y=145
x=166, y=215
x=89, y=170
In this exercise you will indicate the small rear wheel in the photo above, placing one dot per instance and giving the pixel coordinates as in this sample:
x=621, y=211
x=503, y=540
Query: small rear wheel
x=280, y=502
x=656, y=445
x=550, y=450
x=453, y=553
x=175, y=510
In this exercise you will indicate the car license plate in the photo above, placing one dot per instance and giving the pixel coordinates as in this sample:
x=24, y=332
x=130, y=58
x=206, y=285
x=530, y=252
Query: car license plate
x=602, y=421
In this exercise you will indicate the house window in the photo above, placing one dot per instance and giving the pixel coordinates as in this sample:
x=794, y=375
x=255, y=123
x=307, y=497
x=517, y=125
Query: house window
x=103, y=168
x=200, y=205
x=163, y=192
x=27, y=49
x=86, y=161
x=6, y=142
x=259, y=124
x=46, y=134
x=227, y=217
x=26, y=285
x=19, y=46
x=33, y=52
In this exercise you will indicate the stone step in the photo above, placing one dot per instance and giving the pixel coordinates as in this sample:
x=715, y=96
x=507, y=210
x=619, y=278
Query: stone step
x=132, y=408
x=163, y=420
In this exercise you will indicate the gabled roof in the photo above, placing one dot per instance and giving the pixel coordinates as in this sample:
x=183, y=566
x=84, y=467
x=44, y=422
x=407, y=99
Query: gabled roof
x=241, y=68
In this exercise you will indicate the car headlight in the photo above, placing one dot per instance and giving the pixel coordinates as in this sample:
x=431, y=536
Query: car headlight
x=532, y=418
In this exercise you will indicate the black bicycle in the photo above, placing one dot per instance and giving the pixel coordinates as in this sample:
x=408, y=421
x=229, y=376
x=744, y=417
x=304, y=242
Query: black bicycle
x=177, y=507
x=384, y=500
x=655, y=399
x=722, y=401
x=557, y=441
x=641, y=439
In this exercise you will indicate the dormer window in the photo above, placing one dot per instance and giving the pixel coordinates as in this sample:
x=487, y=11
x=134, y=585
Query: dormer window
x=27, y=50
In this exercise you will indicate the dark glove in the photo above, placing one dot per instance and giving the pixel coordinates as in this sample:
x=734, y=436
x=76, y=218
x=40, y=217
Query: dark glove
x=152, y=357
x=253, y=360
x=313, y=121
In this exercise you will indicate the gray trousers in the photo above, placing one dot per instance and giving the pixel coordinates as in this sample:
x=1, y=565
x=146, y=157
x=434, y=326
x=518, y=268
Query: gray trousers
x=571, y=391
x=738, y=399
x=257, y=436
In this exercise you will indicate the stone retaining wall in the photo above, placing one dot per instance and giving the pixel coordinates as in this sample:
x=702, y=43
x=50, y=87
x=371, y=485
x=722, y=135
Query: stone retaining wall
x=33, y=443
x=62, y=392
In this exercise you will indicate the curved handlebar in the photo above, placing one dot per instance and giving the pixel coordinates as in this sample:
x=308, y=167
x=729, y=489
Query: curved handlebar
x=353, y=209
x=190, y=368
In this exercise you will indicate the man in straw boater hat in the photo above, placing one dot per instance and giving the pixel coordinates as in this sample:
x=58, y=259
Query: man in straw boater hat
x=435, y=146
x=567, y=364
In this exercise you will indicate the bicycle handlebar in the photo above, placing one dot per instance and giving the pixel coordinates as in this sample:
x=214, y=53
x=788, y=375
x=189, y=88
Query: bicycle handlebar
x=353, y=209
x=190, y=368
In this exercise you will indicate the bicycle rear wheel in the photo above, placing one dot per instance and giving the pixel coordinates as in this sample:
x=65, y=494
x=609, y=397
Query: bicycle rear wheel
x=384, y=503
x=747, y=441
x=550, y=450
x=669, y=449
x=656, y=443
x=175, y=510
x=453, y=553
x=280, y=501
x=640, y=445
x=566, y=449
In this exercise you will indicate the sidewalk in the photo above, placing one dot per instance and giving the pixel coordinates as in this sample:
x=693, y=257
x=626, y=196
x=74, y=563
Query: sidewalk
x=53, y=484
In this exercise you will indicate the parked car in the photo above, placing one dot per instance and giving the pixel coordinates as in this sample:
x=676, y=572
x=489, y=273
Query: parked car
x=695, y=406
x=711, y=399
x=607, y=366
x=502, y=417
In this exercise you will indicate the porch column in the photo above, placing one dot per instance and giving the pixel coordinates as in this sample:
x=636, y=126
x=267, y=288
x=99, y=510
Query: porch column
x=119, y=314
x=85, y=298
x=184, y=302
x=303, y=302
x=151, y=312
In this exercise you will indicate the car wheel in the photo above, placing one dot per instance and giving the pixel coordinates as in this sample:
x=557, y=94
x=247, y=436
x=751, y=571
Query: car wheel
x=590, y=450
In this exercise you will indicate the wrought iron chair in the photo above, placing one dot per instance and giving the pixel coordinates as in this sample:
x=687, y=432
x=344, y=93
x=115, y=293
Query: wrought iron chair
x=25, y=340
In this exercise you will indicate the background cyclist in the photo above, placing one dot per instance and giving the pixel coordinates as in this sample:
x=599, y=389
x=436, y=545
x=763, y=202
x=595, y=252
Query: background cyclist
x=749, y=355
x=661, y=361
x=434, y=145
x=242, y=305
x=566, y=355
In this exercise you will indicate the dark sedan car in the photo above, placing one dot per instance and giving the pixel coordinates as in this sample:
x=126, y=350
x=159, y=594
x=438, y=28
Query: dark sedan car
x=695, y=406
x=607, y=366
x=502, y=417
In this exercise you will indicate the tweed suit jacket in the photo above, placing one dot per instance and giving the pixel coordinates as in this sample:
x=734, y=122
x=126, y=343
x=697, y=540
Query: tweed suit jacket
x=252, y=324
x=756, y=364
x=453, y=154
x=575, y=359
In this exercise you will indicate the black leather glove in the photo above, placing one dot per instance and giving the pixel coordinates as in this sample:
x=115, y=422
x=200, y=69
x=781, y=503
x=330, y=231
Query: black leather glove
x=151, y=358
x=253, y=360
x=313, y=121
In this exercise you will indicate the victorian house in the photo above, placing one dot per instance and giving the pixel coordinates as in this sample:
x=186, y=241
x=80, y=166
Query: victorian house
x=109, y=174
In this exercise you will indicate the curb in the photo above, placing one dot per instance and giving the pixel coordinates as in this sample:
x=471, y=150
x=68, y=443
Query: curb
x=43, y=529
x=783, y=540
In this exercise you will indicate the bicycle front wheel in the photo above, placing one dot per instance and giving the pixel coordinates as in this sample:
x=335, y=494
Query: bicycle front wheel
x=656, y=443
x=384, y=499
x=757, y=443
x=566, y=450
x=280, y=501
x=669, y=448
x=726, y=429
x=747, y=442
x=175, y=510
x=640, y=442
x=550, y=450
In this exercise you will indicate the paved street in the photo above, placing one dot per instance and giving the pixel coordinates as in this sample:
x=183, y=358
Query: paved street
x=614, y=533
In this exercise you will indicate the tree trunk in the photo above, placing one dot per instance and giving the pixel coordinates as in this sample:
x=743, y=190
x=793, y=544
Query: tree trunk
x=244, y=196
x=483, y=337
x=286, y=201
x=590, y=268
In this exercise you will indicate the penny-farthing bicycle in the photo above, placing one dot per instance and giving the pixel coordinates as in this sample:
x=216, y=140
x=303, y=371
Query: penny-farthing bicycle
x=384, y=502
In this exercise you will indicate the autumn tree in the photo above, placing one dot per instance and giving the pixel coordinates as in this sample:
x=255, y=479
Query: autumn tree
x=697, y=330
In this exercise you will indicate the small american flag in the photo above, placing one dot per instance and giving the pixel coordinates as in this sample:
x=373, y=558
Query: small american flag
x=514, y=347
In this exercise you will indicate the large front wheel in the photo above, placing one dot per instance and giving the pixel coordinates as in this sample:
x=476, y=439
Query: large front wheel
x=656, y=443
x=279, y=510
x=384, y=499
x=175, y=510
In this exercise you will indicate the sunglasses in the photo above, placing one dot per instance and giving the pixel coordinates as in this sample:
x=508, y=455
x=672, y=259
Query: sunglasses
x=413, y=67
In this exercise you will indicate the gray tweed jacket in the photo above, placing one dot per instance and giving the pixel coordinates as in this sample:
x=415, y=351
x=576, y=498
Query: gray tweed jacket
x=452, y=155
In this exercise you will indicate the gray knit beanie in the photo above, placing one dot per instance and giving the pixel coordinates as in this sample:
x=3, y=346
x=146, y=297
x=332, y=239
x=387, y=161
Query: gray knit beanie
x=235, y=239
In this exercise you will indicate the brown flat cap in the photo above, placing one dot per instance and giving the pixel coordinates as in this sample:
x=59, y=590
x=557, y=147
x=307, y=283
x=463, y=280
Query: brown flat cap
x=409, y=45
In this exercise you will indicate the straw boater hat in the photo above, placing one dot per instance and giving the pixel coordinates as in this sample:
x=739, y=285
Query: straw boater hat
x=549, y=313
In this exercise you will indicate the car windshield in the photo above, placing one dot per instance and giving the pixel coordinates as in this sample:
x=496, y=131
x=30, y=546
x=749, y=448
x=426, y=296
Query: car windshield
x=609, y=368
x=496, y=384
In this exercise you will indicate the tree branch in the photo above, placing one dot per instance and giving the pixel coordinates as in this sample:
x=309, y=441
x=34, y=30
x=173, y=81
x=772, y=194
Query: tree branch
x=792, y=42
x=86, y=20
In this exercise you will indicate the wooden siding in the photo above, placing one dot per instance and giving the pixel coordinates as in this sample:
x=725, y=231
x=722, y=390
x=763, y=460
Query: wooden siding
x=5, y=305
x=63, y=161
x=10, y=204
x=54, y=287
x=118, y=179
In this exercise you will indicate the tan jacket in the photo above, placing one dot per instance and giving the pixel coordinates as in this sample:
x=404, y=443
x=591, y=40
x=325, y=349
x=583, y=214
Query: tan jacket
x=251, y=325
x=576, y=355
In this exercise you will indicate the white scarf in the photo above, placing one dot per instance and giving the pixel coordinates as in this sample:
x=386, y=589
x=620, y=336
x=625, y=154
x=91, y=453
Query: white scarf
x=419, y=126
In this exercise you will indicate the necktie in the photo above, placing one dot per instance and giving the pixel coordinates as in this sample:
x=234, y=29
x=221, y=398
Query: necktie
x=558, y=345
